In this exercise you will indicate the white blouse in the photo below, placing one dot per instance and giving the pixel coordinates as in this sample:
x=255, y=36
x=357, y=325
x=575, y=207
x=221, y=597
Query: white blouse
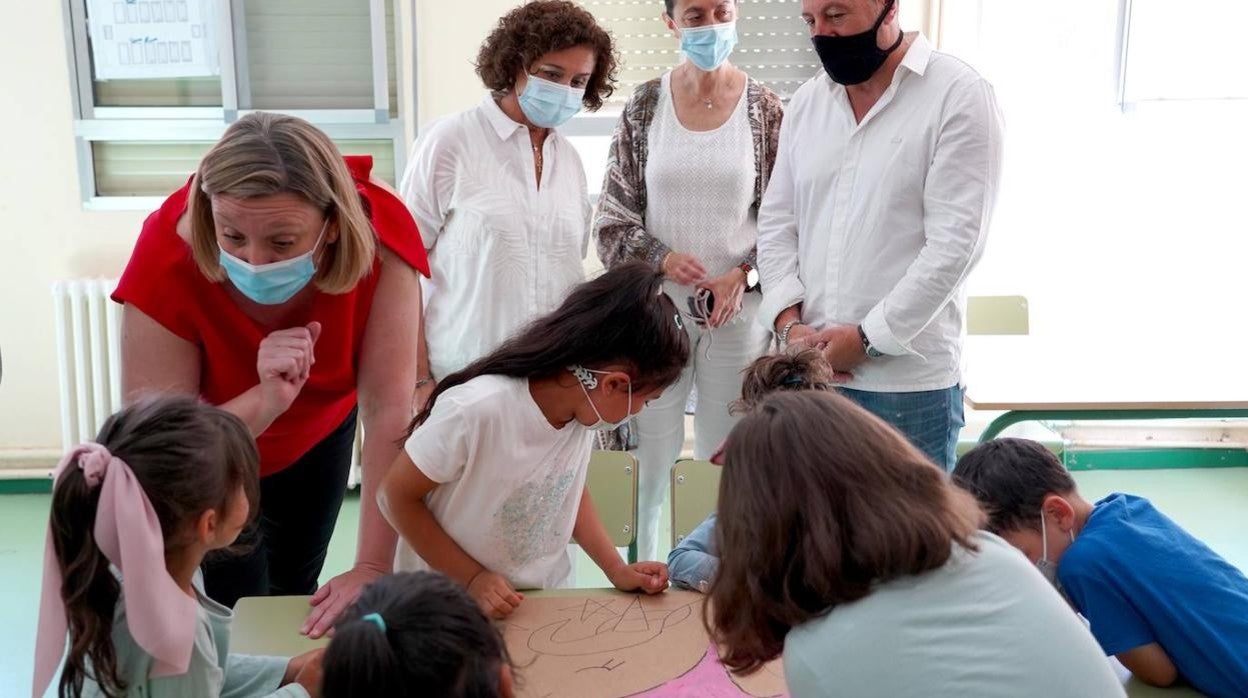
x=502, y=251
x=700, y=185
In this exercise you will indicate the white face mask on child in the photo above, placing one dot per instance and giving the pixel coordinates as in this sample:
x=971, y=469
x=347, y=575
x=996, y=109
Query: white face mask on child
x=585, y=376
x=1047, y=567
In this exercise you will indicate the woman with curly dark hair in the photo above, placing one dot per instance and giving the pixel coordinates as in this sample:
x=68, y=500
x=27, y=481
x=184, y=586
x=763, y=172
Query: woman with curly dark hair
x=499, y=195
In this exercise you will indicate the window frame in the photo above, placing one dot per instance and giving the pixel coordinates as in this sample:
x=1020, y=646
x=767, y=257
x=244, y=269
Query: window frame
x=1126, y=102
x=93, y=123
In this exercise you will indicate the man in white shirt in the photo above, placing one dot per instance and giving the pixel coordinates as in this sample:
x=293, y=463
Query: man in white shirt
x=877, y=210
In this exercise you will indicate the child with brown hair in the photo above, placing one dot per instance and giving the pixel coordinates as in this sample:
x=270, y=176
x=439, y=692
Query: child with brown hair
x=416, y=633
x=133, y=514
x=1160, y=600
x=693, y=562
x=863, y=564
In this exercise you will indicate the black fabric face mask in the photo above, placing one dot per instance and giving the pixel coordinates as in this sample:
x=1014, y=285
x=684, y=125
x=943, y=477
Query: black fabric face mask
x=853, y=59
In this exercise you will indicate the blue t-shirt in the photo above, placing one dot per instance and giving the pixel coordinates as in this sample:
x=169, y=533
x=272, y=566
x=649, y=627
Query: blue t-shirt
x=1139, y=578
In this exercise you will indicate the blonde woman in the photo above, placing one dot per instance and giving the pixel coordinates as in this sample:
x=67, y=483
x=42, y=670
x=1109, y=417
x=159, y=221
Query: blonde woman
x=281, y=283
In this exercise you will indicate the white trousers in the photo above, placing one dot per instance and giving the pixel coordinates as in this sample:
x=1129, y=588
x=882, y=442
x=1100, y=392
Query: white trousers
x=717, y=358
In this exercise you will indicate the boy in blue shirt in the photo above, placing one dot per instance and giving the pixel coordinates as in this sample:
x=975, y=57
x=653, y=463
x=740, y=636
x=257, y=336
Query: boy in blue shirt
x=1156, y=597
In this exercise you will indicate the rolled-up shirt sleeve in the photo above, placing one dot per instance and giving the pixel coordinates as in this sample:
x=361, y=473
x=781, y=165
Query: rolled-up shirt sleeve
x=959, y=194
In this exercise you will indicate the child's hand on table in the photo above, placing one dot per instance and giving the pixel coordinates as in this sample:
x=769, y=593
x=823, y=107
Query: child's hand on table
x=650, y=577
x=494, y=594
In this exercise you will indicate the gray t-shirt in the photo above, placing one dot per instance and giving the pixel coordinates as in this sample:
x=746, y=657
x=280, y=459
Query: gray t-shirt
x=985, y=624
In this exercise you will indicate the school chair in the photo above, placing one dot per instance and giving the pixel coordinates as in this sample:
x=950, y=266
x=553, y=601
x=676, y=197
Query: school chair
x=695, y=490
x=997, y=315
x=612, y=484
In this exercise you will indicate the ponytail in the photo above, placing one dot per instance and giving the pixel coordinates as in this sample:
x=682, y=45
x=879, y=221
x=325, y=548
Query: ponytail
x=622, y=316
x=89, y=590
x=364, y=663
x=791, y=369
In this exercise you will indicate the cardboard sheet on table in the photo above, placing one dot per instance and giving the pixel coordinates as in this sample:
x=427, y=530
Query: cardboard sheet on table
x=611, y=644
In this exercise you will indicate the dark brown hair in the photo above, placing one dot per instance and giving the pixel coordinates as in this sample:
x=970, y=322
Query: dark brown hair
x=537, y=28
x=188, y=457
x=793, y=369
x=853, y=505
x=621, y=317
x=1011, y=478
x=432, y=640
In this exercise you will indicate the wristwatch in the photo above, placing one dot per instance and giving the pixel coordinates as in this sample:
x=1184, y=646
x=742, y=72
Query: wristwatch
x=751, y=276
x=866, y=344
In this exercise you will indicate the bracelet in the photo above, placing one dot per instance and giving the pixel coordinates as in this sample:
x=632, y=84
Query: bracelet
x=784, y=334
x=663, y=262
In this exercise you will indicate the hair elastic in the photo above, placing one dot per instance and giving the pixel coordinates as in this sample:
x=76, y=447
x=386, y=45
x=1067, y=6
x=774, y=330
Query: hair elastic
x=375, y=619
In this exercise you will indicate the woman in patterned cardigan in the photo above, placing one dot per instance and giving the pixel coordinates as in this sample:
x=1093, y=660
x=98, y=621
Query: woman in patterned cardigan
x=688, y=166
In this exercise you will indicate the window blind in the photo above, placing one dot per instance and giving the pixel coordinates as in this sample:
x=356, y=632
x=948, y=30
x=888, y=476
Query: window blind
x=181, y=92
x=773, y=44
x=313, y=54
x=296, y=54
x=156, y=168
x=299, y=54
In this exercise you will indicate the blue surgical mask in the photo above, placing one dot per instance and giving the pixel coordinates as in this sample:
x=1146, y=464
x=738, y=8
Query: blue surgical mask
x=274, y=283
x=588, y=381
x=708, y=47
x=548, y=104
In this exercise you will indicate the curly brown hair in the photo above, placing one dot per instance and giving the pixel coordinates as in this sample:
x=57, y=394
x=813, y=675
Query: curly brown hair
x=535, y=29
x=797, y=368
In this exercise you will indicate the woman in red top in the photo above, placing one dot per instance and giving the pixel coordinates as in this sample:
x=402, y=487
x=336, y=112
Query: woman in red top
x=278, y=283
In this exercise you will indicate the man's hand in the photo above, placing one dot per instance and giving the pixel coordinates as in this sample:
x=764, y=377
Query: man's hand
x=841, y=346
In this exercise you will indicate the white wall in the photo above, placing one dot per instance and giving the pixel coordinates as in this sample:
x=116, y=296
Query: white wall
x=46, y=234
x=449, y=32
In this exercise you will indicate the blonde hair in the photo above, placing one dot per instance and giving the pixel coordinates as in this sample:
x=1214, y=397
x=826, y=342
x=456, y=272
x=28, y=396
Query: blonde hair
x=263, y=154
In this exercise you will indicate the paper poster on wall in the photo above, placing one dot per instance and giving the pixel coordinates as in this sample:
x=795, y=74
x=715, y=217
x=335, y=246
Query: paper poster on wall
x=136, y=39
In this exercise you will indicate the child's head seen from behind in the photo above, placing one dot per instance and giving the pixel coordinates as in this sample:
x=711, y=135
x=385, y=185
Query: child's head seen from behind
x=195, y=464
x=791, y=369
x=1029, y=496
x=853, y=505
x=416, y=633
x=794, y=369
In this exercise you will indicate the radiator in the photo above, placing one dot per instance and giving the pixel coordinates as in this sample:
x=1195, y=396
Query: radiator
x=88, y=353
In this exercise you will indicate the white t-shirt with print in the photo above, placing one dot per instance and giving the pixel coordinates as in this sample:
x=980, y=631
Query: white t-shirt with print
x=510, y=483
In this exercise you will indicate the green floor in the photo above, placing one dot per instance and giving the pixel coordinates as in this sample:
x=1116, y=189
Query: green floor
x=1211, y=503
